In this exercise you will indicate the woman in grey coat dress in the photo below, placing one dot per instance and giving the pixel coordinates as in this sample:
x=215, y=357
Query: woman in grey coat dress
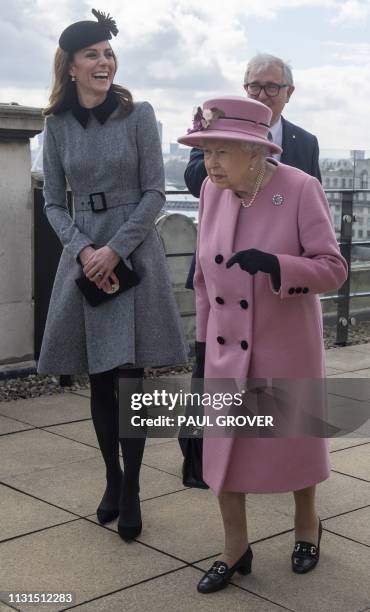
x=108, y=149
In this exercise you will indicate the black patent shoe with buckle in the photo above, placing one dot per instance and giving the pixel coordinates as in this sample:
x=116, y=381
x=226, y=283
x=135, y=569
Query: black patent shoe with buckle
x=219, y=576
x=305, y=555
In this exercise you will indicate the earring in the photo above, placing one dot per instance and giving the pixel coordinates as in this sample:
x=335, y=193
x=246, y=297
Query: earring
x=73, y=79
x=251, y=168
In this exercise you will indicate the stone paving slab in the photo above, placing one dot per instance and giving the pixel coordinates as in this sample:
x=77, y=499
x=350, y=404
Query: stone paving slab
x=351, y=394
x=350, y=387
x=157, y=441
x=353, y=461
x=22, y=514
x=346, y=442
x=364, y=430
x=48, y=409
x=348, y=415
x=83, y=392
x=167, y=457
x=83, y=431
x=336, y=495
x=333, y=372
x=188, y=524
x=354, y=525
x=79, y=486
x=355, y=374
x=80, y=557
x=348, y=360
x=8, y=425
x=340, y=582
x=26, y=451
x=177, y=591
x=362, y=348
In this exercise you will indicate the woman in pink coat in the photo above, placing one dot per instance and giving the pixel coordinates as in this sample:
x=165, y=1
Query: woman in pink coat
x=262, y=317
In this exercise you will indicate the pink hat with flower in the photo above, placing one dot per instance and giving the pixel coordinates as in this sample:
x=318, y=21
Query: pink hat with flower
x=231, y=118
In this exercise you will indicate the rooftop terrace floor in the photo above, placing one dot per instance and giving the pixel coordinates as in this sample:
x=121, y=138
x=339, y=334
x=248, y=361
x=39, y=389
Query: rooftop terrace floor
x=52, y=477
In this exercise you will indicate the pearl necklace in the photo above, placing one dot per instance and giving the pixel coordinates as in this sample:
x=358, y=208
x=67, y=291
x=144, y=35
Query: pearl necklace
x=259, y=179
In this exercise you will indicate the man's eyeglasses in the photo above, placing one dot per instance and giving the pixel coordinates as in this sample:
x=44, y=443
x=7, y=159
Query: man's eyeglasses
x=271, y=89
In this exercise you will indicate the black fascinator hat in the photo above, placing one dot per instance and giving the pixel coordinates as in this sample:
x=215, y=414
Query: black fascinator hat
x=84, y=33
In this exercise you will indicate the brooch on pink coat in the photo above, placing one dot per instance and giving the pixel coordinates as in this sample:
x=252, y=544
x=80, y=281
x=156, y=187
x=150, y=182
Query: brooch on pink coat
x=277, y=199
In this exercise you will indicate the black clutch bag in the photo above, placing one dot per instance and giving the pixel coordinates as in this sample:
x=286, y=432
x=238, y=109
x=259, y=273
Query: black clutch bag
x=127, y=279
x=190, y=444
x=192, y=468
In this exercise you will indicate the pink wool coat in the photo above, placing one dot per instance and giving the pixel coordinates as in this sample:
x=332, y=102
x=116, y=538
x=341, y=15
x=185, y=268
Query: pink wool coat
x=256, y=332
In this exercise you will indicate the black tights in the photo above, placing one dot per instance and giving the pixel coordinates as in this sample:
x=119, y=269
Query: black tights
x=105, y=416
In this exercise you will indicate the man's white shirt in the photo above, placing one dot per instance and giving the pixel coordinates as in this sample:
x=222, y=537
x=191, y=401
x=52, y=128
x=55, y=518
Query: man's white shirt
x=276, y=132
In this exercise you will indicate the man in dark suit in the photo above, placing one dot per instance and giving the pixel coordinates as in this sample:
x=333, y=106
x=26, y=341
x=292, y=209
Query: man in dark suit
x=269, y=80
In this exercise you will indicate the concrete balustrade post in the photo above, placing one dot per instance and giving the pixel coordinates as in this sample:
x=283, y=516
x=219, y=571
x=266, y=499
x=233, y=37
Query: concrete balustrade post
x=17, y=125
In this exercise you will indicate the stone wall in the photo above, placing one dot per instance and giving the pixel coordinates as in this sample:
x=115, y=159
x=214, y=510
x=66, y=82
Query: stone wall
x=179, y=235
x=17, y=125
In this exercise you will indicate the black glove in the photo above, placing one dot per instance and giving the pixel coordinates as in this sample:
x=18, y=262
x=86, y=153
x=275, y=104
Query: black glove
x=253, y=261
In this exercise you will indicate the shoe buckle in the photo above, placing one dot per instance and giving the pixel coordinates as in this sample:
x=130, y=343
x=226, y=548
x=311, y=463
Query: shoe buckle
x=218, y=569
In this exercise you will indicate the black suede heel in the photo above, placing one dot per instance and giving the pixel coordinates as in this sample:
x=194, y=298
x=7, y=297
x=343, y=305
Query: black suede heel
x=129, y=524
x=129, y=529
x=108, y=509
x=106, y=516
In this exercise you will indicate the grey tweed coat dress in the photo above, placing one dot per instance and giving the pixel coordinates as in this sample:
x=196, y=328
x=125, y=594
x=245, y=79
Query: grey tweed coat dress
x=122, y=158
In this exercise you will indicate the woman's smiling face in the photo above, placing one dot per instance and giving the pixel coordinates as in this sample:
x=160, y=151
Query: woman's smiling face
x=94, y=68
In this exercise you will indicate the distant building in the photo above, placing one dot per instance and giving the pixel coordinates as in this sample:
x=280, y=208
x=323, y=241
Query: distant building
x=174, y=149
x=350, y=173
x=355, y=155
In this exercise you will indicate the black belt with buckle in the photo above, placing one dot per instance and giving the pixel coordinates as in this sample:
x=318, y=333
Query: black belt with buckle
x=103, y=202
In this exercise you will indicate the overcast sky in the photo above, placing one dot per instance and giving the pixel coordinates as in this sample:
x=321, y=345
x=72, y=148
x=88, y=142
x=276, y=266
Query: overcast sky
x=178, y=53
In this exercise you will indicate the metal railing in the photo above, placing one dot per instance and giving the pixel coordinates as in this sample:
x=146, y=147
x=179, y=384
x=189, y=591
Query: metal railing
x=344, y=320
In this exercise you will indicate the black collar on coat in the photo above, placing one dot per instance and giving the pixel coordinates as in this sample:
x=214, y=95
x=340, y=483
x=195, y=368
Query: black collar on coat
x=101, y=112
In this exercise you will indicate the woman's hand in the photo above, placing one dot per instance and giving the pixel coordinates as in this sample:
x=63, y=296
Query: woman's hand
x=99, y=267
x=85, y=254
x=253, y=260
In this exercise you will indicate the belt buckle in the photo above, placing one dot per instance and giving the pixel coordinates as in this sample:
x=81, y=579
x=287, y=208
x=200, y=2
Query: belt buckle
x=103, y=201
